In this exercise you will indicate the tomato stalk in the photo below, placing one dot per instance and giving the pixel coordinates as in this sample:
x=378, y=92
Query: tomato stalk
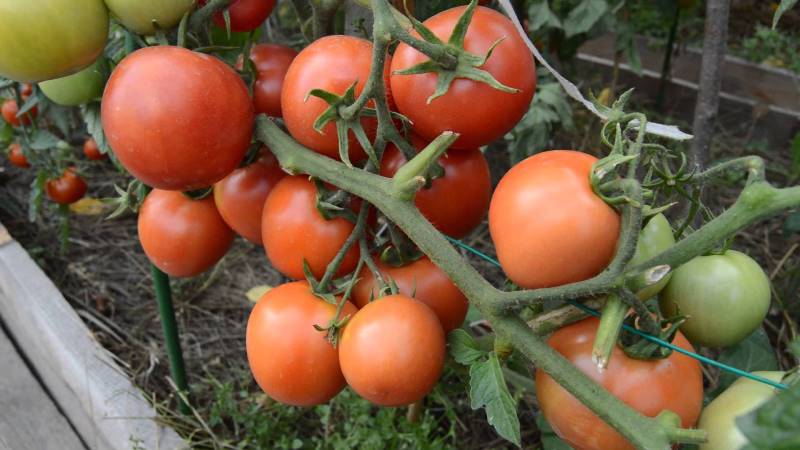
x=322, y=14
x=336, y=262
x=203, y=15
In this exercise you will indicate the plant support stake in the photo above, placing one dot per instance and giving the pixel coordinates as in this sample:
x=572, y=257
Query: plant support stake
x=171, y=338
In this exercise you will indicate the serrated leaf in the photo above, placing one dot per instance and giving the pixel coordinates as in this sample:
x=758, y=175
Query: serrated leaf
x=88, y=206
x=542, y=16
x=43, y=140
x=752, y=354
x=488, y=390
x=255, y=293
x=584, y=16
x=782, y=8
x=463, y=347
x=776, y=424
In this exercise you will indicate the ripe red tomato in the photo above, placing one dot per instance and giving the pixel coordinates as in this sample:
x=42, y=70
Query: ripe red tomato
x=10, y=109
x=293, y=230
x=475, y=110
x=271, y=61
x=246, y=15
x=548, y=226
x=332, y=63
x=181, y=236
x=69, y=188
x=426, y=282
x=457, y=202
x=650, y=387
x=91, y=150
x=392, y=351
x=241, y=195
x=177, y=119
x=26, y=90
x=16, y=157
x=292, y=361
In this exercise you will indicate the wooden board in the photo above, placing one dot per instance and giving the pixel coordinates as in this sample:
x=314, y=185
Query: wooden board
x=93, y=392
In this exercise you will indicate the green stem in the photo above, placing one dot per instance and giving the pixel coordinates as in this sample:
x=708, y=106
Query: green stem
x=608, y=331
x=202, y=15
x=171, y=339
x=412, y=175
x=322, y=14
x=355, y=235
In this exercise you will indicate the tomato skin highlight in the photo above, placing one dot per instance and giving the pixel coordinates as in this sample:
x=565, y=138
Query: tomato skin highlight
x=392, y=351
x=292, y=229
x=674, y=383
x=42, y=40
x=457, y=202
x=426, y=282
x=9, y=110
x=290, y=360
x=67, y=189
x=719, y=417
x=548, y=226
x=246, y=15
x=475, y=110
x=177, y=119
x=91, y=151
x=240, y=196
x=16, y=157
x=181, y=236
x=272, y=61
x=139, y=15
x=725, y=296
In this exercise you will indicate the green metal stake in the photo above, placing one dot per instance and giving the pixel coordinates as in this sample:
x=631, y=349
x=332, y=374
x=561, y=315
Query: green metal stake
x=171, y=338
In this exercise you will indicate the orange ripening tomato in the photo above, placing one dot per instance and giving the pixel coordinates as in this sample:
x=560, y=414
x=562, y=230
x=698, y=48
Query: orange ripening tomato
x=548, y=226
x=392, y=351
x=181, y=236
x=177, y=119
x=650, y=387
x=91, y=150
x=333, y=64
x=293, y=230
x=67, y=189
x=16, y=157
x=457, y=202
x=426, y=282
x=241, y=195
x=293, y=362
x=475, y=110
x=271, y=61
x=9, y=110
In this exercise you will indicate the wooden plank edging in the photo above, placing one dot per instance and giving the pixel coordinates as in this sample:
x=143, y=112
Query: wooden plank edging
x=107, y=410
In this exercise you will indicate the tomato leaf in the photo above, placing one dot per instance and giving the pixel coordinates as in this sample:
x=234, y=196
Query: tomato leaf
x=488, y=390
x=782, y=8
x=584, y=16
x=35, y=196
x=548, y=437
x=463, y=347
x=542, y=16
x=43, y=140
x=774, y=426
x=91, y=115
x=753, y=353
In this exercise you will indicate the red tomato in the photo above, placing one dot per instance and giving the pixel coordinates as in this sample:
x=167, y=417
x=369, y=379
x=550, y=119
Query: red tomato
x=91, y=150
x=650, y=387
x=475, y=110
x=177, y=119
x=69, y=188
x=271, y=61
x=16, y=157
x=292, y=361
x=426, y=282
x=457, y=202
x=332, y=63
x=25, y=91
x=293, y=230
x=9, y=111
x=241, y=195
x=548, y=226
x=181, y=236
x=392, y=351
x=246, y=15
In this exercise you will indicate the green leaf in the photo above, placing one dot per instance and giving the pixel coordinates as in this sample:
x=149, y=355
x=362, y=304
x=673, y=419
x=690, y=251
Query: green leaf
x=43, y=140
x=488, y=390
x=463, y=347
x=543, y=17
x=32, y=101
x=752, y=354
x=774, y=426
x=91, y=115
x=792, y=224
x=6, y=133
x=35, y=196
x=548, y=437
x=782, y=8
x=584, y=16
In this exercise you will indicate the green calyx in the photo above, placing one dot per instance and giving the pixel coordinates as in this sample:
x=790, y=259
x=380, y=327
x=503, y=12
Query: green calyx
x=333, y=203
x=467, y=65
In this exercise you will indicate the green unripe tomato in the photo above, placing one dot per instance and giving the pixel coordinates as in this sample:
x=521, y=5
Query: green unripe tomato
x=77, y=88
x=655, y=238
x=725, y=296
x=742, y=397
x=45, y=39
x=138, y=15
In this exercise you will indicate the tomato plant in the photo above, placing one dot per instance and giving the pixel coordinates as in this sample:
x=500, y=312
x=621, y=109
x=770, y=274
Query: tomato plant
x=480, y=113
x=44, y=40
x=10, y=110
x=143, y=16
x=293, y=230
x=91, y=151
x=292, y=361
x=708, y=285
x=245, y=15
x=78, y=88
x=240, y=196
x=68, y=188
x=271, y=61
x=573, y=234
x=650, y=387
x=16, y=157
x=656, y=237
x=456, y=202
x=422, y=280
x=392, y=351
x=177, y=119
x=181, y=236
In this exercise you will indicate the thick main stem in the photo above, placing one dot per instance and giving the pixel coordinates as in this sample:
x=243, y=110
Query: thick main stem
x=171, y=337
